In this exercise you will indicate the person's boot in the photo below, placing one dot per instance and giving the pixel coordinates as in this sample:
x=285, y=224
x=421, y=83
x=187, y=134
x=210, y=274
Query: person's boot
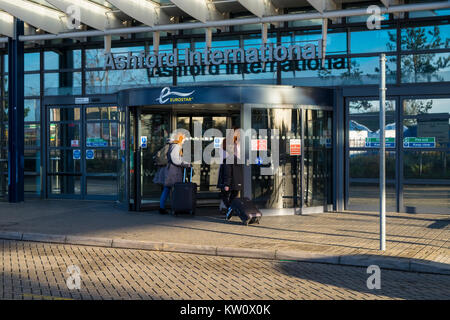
x=162, y=211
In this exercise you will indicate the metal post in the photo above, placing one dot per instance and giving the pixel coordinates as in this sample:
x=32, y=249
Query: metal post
x=382, y=152
x=16, y=115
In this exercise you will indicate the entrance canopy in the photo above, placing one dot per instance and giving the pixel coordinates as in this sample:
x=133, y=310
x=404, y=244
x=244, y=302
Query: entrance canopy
x=226, y=94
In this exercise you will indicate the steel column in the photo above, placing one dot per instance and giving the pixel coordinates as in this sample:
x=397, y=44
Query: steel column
x=16, y=115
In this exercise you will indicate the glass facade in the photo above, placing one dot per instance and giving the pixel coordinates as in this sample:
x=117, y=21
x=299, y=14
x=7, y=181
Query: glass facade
x=417, y=127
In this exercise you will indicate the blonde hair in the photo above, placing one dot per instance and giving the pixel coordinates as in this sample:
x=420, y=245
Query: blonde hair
x=179, y=138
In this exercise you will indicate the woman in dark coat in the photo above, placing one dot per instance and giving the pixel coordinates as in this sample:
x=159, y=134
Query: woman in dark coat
x=230, y=180
x=174, y=170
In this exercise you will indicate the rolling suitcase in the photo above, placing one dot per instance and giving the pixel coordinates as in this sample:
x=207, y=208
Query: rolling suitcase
x=184, y=196
x=246, y=210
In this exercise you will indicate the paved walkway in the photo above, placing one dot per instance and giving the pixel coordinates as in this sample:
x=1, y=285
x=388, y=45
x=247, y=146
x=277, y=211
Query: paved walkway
x=419, y=236
x=33, y=270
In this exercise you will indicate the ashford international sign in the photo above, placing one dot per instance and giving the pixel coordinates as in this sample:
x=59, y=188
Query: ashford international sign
x=266, y=53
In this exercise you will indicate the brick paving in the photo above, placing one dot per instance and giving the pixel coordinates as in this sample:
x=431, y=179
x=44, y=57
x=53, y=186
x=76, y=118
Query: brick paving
x=420, y=236
x=32, y=270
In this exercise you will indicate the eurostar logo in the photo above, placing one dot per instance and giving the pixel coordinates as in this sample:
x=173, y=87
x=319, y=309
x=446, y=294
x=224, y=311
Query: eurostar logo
x=165, y=94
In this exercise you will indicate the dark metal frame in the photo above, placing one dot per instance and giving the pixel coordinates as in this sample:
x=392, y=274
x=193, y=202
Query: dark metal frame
x=399, y=94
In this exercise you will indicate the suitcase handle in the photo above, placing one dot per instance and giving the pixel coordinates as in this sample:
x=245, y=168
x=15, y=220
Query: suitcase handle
x=184, y=175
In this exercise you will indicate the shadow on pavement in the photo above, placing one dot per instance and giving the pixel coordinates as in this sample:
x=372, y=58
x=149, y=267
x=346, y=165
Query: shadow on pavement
x=394, y=284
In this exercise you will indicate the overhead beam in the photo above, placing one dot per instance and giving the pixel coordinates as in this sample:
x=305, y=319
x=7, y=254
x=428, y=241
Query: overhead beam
x=242, y=21
x=202, y=10
x=324, y=5
x=91, y=14
x=6, y=24
x=389, y=3
x=260, y=8
x=144, y=11
x=39, y=16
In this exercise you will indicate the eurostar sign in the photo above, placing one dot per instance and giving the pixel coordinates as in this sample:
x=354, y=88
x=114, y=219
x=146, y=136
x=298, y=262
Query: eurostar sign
x=265, y=53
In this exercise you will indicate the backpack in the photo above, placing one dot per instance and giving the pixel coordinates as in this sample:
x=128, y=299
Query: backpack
x=160, y=159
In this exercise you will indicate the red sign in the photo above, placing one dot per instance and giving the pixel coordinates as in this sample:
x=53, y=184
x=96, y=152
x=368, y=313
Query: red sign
x=259, y=144
x=295, y=147
x=74, y=143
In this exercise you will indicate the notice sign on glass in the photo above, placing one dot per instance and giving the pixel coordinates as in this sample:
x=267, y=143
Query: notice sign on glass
x=413, y=142
x=375, y=142
x=259, y=144
x=295, y=148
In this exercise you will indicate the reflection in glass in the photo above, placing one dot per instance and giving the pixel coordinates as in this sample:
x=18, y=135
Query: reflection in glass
x=64, y=114
x=102, y=113
x=104, y=161
x=430, y=67
x=365, y=196
x=101, y=185
x=425, y=198
x=32, y=133
x=380, y=41
x=366, y=164
x=62, y=134
x=426, y=164
x=67, y=185
x=63, y=161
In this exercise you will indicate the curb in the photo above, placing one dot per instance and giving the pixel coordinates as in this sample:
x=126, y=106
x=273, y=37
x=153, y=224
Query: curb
x=391, y=263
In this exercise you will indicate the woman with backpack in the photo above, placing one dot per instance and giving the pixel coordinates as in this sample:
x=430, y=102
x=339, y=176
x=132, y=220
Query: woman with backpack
x=174, y=169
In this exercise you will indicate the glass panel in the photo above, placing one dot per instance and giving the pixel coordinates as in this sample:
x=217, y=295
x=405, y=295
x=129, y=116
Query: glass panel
x=380, y=41
x=32, y=163
x=426, y=198
x=425, y=106
x=64, y=161
x=32, y=84
x=32, y=61
x=281, y=190
x=64, y=59
x=425, y=38
x=102, y=113
x=101, y=186
x=64, y=114
x=366, y=197
x=156, y=128
x=426, y=164
x=32, y=184
x=102, y=134
x=63, y=134
x=317, y=158
x=32, y=110
x=103, y=161
x=65, y=185
x=62, y=83
x=364, y=123
x=366, y=164
x=430, y=67
x=32, y=135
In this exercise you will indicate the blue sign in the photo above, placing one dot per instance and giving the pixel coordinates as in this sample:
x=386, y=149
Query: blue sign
x=259, y=160
x=90, y=154
x=76, y=154
x=375, y=142
x=143, y=142
x=414, y=142
x=217, y=142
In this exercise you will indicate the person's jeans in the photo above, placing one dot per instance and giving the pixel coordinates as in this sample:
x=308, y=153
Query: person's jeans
x=162, y=201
